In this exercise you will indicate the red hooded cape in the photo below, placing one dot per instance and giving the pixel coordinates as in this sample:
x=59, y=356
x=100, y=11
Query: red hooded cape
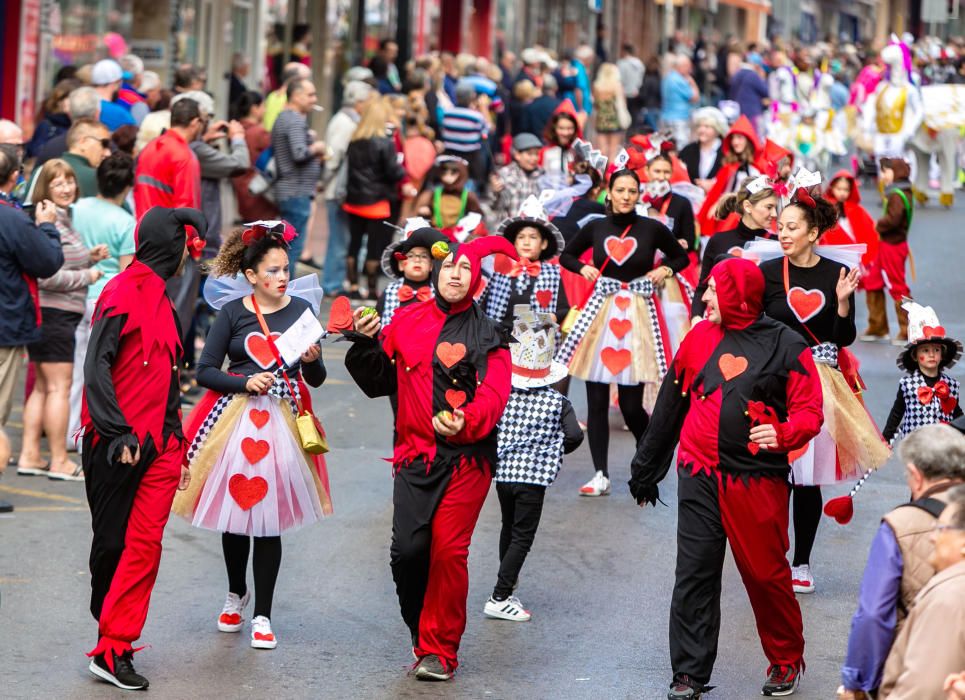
x=706, y=221
x=862, y=225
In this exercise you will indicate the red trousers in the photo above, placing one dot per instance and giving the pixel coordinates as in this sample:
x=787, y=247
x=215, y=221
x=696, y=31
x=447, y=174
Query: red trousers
x=129, y=508
x=434, y=516
x=887, y=270
x=753, y=517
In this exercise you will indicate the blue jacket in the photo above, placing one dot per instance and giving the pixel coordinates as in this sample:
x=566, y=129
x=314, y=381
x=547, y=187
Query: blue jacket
x=24, y=248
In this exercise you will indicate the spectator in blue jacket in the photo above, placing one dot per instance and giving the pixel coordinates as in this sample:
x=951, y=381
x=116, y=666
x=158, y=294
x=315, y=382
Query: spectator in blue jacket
x=27, y=251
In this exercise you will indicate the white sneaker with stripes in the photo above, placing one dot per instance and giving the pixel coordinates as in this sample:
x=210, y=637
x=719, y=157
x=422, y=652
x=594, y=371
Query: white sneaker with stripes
x=509, y=609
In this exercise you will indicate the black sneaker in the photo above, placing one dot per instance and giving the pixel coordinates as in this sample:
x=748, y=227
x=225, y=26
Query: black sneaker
x=684, y=687
x=6, y=506
x=432, y=668
x=124, y=675
x=781, y=681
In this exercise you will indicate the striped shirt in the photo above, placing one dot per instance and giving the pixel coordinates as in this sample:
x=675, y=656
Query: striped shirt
x=463, y=129
x=67, y=288
x=298, y=168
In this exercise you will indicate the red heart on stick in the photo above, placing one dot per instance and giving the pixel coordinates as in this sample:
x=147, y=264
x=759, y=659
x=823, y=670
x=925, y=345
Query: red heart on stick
x=450, y=353
x=455, y=398
x=543, y=298
x=619, y=249
x=615, y=360
x=259, y=418
x=623, y=303
x=753, y=448
x=247, y=492
x=255, y=450
x=731, y=366
x=340, y=317
x=620, y=327
x=805, y=303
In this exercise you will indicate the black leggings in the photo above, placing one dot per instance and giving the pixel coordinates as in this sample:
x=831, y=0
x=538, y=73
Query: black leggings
x=598, y=418
x=264, y=565
x=379, y=236
x=807, y=516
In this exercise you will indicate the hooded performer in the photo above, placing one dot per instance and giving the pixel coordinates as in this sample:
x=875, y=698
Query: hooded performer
x=741, y=393
x=450, y=365
x=133, y=444
x=741, y=150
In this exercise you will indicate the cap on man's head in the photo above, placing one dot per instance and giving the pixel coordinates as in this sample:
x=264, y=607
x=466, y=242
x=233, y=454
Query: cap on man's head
x=525, y=142
x=106, y=72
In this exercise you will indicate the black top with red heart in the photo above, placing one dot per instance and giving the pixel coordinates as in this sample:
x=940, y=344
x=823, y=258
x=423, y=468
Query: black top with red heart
x=811, y=301
x=236, y=334
x=631, y=257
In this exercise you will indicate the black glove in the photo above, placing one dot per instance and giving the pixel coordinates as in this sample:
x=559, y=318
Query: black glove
x=118, y=444
x=644, y=493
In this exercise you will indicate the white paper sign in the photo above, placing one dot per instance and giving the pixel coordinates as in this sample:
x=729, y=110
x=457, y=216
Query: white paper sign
x=299, y=337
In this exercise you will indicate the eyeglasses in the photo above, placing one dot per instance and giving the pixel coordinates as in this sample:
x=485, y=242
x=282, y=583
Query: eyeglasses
x=418, y=257
x=105, y=142
x=944, y=527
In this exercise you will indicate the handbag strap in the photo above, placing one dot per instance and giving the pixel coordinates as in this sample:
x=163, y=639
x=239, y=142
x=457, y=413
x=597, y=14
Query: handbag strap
x=787, y=293
x=603, y=266
x=275, y=353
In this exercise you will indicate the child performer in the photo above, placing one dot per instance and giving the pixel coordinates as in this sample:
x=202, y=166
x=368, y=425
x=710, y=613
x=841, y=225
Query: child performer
x=450, y=200
x=408, y=263
x=926, y=394
x=855, y=224
x=537, y=428
x=253, y=479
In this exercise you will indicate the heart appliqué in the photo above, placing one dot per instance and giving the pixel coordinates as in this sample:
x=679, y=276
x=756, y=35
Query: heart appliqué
x=259, y=418
x=731, y=366
x=543, y=298
x=795, y=455
x=256, y=345
x=340, y=317
x=805, y=303
x=255, y=450
x=247, y=492
x=450, y=353
x=615, y=360
x=753, y=448
x=933, y=331
x=620, y=249
x=620, y=327
x=455, y=398
x=623, y=303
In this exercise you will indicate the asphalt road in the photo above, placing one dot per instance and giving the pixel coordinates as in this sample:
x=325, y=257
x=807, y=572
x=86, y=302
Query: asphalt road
x=598, y=580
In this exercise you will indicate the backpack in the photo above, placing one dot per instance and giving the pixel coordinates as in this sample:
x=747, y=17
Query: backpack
x=266, y=172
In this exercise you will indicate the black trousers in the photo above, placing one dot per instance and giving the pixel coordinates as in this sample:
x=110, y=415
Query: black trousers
x=630, y=399
x=521, y=506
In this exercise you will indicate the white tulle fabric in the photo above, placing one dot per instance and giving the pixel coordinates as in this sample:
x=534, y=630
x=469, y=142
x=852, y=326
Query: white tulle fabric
x=849, y=255
x=218, y=291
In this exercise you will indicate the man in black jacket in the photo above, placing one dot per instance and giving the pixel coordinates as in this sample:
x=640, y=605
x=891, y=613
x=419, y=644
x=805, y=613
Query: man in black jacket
x=27, y=251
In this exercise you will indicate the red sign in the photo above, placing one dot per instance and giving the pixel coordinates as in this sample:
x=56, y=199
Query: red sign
x=29, y=59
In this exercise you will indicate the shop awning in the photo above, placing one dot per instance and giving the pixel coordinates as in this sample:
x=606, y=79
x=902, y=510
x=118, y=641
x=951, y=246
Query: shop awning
x=749, y=5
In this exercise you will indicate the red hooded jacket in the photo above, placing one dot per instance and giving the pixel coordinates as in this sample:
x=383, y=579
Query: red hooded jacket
x=708, y=223
x=858, y=220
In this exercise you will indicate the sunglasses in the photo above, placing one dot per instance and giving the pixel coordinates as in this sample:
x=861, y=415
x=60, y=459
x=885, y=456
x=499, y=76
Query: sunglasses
x=105, y=142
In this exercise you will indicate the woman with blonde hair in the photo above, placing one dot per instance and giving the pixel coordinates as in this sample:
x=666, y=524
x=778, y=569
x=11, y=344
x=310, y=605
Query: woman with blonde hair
x=63, y=300
x=612, y=115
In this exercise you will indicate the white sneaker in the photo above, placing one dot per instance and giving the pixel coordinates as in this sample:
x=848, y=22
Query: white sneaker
x=231, y=618
x=261, y=634
x=599, y=485
x=801, y=579
x=509, y=609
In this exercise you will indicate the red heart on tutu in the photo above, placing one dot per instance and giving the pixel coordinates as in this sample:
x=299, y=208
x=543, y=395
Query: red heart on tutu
x=450, y=353
x=255, y=450
x=258, y=349
x=340, y=316
x=805, y=303
x=619, y=249
x=259, y=418
x=731, y=366
x=455, y=398
x=620, y=327
x=615, y=360
x=544, y=297
x=623, y=303
x=247, y=492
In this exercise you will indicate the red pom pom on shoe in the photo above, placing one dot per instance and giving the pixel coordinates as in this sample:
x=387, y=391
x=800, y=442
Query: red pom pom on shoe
x=840, y=508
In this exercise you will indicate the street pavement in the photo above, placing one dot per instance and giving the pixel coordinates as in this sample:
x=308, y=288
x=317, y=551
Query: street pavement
x=598, y=580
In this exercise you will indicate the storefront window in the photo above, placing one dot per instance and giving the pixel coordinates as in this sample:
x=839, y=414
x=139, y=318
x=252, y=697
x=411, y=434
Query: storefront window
x=82, y=32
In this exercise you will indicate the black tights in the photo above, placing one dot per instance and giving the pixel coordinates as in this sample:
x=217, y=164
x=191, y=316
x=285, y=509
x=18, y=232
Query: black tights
x=598, y=418
x=807, y=516
x=264, y=566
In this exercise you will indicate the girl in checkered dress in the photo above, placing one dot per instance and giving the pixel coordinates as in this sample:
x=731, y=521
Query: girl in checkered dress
x=536, y=429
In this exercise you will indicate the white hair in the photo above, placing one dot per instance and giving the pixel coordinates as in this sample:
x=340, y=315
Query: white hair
x=149, y=81
x=132, y=64
x=205, y=103
x=356, y=91
x=84, y=103
x=10, y=132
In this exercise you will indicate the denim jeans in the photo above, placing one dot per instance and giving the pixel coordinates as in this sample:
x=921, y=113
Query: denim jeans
x=333, y=274
x=296, y=210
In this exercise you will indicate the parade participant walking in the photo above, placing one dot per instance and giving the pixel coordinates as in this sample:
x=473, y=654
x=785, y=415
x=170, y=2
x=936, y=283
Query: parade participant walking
x=926, y=395
x=538, y=427
x=814, y=295
x=450, y=200
x=561, y=131
x=898, y=563
x=741, y=150
x=251, y=477
x=855, y=225
x=534, y=280
x=133, y=446
x=741, y=393
x=450, y=365
x=620, y=336
x=888, y=270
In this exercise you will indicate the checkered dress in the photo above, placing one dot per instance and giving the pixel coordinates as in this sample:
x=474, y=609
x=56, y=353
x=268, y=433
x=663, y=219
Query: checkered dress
x=530, y=437
x=918, y=414
x=499, y=291
x=391, y=302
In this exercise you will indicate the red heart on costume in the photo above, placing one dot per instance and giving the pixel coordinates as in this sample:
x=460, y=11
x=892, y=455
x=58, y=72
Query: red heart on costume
x=753, y=448
x=731, y=366
x=247, y=492
x=255, y=450
x=615, y=360
x=933, y=332
x=623, y=303
x=805, y=303
x=259, y=418
x=620, y=327
x=340, y=317
x=620, y=249
x=256, y=345
x=455, y=398
x=450, y=353
x=544, y=297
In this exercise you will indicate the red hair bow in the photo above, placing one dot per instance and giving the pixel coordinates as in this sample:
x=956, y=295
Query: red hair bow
x=280, y=229
x=802, y=197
